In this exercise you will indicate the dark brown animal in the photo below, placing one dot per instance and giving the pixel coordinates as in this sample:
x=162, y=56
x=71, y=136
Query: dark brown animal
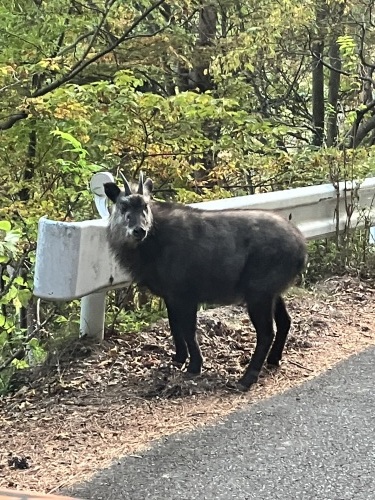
x=189, y=256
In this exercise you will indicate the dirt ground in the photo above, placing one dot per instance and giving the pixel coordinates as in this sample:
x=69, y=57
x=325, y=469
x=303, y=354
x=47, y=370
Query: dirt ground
x=93, y=404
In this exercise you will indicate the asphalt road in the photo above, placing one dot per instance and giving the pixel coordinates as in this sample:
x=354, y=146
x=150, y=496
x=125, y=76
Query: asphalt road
x=313, y=442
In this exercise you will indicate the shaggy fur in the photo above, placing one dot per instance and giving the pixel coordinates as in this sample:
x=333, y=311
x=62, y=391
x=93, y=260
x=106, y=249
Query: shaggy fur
x=188, y=256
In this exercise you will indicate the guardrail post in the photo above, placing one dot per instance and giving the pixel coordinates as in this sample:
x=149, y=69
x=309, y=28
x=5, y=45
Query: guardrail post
x=93, y=305
x=92, y=316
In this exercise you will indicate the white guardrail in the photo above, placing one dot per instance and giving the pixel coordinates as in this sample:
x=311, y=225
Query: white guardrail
x=73, y=259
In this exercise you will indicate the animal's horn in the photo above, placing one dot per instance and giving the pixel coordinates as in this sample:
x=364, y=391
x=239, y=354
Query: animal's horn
x=128, y=190
x=140, y=183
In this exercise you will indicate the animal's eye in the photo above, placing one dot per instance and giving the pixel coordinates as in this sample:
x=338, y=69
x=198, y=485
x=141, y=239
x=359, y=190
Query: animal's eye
x=123, y=208
x=127, y=216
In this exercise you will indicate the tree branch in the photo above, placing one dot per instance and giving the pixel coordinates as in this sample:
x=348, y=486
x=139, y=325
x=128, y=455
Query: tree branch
x=341, y=71
x=16, y=354
x=361, y=53
x=14, y=35
x=21, y=115
x=362, y=131
x=16, y=270
x=75, y=43
x=82, y=64
x=94, y=36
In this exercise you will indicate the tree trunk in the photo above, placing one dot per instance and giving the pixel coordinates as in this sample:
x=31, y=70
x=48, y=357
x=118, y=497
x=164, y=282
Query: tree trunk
x=198, y=76
x=318, y=94
x=207, y=32
x=333, y=93
x=362, y=128
x=24, y=194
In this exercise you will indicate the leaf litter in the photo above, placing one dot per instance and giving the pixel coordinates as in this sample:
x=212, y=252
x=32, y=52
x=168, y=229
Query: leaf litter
x=91, y=404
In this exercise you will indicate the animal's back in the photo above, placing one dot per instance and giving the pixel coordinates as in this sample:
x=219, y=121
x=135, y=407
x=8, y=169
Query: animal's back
x=219, y=256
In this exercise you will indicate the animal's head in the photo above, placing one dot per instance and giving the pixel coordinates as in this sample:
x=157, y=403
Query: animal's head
x=131, y=217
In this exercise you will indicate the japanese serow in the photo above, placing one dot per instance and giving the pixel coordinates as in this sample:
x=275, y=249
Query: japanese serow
x=189, y=256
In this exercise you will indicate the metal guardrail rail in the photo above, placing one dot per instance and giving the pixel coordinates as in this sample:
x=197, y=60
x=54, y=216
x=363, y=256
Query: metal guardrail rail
x=73, y=259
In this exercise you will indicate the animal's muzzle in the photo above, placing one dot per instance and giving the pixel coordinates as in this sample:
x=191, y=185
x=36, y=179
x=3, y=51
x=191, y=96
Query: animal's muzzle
x=139, y=233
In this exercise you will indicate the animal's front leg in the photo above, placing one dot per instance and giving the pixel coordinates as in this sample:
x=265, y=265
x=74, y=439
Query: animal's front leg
x=181, y=349
x=183, y=325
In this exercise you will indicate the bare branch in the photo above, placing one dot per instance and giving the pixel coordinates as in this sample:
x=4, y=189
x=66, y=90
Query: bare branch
x=6, y=87
x=91, y=6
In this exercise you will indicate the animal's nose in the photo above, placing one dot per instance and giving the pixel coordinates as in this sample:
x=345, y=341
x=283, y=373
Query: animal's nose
x=139, y=233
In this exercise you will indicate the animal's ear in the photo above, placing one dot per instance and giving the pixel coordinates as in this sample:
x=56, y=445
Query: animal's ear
x=112, y=191
x=147, y=186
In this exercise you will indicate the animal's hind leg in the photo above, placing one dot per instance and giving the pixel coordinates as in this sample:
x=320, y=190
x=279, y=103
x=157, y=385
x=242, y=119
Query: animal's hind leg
x=261, y=314
x=196, y=359
x=283, y=322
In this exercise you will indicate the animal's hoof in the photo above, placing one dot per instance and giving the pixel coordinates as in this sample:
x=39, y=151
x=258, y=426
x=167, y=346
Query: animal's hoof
x=273, y=363
x=178, y=360
x=247, y=381
x=190, y=376
x=194, y=370
x=242, y=388
x=178, y=364
x=237, y=387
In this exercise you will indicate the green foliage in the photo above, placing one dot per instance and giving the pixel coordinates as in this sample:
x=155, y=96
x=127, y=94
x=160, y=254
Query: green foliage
x=8, y=242
x=203, y=96
x=352, y=255
x=14, y=293
x=348, y=51
x=13, y=290
x=132, y=321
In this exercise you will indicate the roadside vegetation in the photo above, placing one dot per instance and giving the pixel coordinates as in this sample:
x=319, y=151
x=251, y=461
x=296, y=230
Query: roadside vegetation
x=211, y=99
